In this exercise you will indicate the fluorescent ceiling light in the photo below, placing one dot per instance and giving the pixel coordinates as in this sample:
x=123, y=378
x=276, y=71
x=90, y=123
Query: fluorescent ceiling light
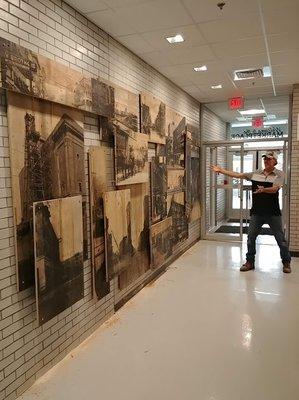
x=271, y=116
x=202, y=68
x=216, y=86
x=277, y=122
x=175, y=39
x=252, y=112
x=241, y=124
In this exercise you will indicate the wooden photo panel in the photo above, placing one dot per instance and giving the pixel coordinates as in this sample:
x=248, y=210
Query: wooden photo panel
x=140, y=262
x=153, y=118
x=161, y=242
x=175, y=139
x=131, y=157
x=176, y=210
x=58, y=240
x=47, y=162
x=126, y=109
x=118, y=239
x=158, y=188
x=98, y=186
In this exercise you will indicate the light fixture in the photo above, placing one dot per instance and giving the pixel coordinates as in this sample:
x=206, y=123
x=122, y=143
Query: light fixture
x=252, y=112
x=240, y=124
x=277, y=122
x=175, y=39
x=271, y=116
x=202, y=68
x=216, y=87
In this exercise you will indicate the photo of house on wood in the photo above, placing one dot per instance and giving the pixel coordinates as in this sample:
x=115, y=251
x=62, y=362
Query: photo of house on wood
x=195, y=212
x=58, y=238
x=47, y=160
x=153, y=118
x=192, y=133
x=131, y=157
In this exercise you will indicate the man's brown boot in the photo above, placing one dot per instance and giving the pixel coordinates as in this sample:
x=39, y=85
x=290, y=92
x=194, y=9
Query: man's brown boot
x=247, y=266
x=286, y=267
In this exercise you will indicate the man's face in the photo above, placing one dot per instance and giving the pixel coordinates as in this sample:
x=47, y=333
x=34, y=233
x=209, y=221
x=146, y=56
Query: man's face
x=269, y=162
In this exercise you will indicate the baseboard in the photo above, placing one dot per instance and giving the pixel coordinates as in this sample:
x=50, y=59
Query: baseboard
x=155, y=275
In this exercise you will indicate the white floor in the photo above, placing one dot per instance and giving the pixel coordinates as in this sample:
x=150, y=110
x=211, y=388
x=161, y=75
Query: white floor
x=202, y=331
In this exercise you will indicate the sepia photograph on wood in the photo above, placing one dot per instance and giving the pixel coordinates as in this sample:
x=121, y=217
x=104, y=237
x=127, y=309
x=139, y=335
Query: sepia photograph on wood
x=140, y=261
x=175, y=179
x=158, y=188
x=126, y=109
x=177, y=210
x=195, y=212
x=106, y=129
x=118, y=238
x=192, y=133
x=47, y=162
x=153, y=118
x=26, y=72
x=161, y=242
x=131, y=157
x=175, y=139
x=58, y=239
x=98, y=186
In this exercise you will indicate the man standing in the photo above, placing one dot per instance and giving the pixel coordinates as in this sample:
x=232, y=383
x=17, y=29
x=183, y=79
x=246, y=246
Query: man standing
x=265, y=207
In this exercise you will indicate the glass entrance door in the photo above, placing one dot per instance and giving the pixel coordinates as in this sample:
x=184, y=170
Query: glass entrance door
x=249, y=165
x=218, y=189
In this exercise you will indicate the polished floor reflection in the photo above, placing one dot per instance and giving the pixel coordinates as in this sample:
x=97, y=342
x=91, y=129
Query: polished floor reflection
x=202, y=331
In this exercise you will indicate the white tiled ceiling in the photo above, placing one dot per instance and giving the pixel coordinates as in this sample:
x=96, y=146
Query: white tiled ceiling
x=224, y=40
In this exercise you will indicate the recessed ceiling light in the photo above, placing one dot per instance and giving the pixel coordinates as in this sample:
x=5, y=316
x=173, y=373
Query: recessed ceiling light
x=252, y=112
x=202, y=68
x=240, y=124
x=175, y=39
x=271, y=116
x=216, y=87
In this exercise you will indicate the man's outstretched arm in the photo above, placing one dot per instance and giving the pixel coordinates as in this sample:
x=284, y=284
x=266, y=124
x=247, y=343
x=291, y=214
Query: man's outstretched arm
x=231, y=174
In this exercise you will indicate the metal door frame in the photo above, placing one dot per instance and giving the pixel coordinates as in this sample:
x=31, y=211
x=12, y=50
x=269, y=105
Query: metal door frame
x=286, y=190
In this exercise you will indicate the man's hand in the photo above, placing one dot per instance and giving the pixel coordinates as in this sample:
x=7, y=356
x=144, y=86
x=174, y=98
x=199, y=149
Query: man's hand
x=260, y=189
x=216, y=169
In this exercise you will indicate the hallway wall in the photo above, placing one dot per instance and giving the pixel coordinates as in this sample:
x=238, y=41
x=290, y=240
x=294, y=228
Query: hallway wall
x=55, y=30
x=214, y=128
x=294, y=187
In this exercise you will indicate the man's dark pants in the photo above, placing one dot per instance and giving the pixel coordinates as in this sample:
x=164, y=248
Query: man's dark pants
x=255, y=227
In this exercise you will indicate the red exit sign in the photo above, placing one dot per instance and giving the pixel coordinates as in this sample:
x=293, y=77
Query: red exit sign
x=258, y=122
x=236, y=103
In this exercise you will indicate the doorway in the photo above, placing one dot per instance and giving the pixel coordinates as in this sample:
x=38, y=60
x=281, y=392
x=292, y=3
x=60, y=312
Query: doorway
x=228, y=200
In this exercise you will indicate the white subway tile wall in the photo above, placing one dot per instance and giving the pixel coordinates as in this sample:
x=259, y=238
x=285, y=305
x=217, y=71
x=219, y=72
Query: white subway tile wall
x=54, y=29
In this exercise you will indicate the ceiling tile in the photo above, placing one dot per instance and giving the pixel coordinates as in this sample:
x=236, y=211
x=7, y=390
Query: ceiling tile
x=86, y=6
x=283, y=41
x=155, y=15
x=244, y=26
x=196, y=54
x=282, y=19
x=245, y=62
x=239, y=48
x=190, y=33
x=123, y=3
x=156, y=58
x=207, y=10
x=136, y=43
x=109, y=21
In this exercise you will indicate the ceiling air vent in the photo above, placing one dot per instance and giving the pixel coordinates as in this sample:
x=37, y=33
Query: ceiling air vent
x=249, y=74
